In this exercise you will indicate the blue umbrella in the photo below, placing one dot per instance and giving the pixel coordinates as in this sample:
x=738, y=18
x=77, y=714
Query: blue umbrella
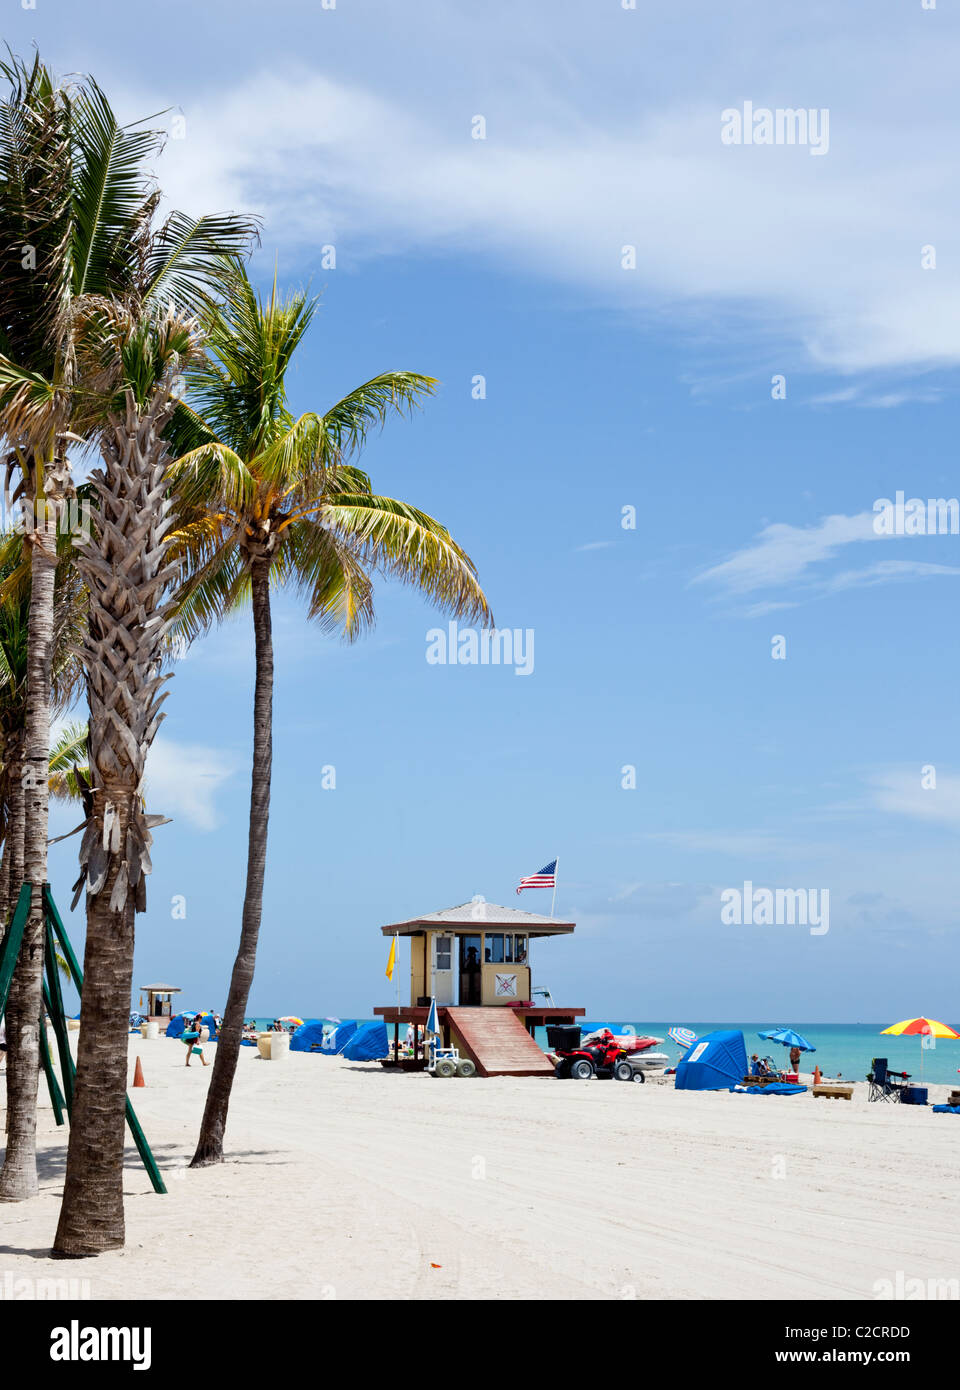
x=433, y=1021
x=788, y=1038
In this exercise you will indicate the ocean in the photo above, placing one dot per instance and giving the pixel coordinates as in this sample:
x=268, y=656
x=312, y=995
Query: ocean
x=843, y=1049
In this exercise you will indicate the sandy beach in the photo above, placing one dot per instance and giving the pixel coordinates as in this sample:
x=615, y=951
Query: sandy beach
x=346, y=1181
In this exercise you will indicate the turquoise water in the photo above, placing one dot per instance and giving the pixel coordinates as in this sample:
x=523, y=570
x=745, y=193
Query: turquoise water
x=843, y=1049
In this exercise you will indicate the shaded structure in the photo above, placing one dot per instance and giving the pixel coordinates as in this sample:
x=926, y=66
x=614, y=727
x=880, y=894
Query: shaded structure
x=474, y=959
x=160, y=1000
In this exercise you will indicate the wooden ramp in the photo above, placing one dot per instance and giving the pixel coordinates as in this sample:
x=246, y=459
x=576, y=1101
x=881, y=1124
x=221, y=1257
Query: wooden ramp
x=496, y=1040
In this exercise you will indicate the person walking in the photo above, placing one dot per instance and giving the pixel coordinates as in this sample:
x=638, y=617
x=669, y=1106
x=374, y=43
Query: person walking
x=193, y=1036
x=795, y=1059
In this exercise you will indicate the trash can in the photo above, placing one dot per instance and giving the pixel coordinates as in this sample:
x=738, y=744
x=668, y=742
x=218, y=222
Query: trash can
x=279, y=1046
x=263, y=1044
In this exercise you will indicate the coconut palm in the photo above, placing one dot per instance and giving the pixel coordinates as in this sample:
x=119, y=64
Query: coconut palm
x=77, y=209
x=279, y=503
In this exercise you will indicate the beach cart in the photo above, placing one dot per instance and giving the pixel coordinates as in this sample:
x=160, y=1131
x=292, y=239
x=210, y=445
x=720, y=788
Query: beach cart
x=446, y=1061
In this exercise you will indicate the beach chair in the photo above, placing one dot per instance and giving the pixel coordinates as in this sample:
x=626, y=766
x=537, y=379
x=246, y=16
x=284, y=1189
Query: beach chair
x=882, y=1085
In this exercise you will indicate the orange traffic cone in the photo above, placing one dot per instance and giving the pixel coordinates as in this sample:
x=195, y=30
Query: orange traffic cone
x=138, y=1075
x=816, y=1076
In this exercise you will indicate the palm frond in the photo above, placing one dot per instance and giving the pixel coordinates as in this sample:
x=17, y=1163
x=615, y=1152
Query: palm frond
x=407, y=544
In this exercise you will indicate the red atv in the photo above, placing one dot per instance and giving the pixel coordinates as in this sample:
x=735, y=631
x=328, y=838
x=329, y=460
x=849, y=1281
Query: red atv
x=601, y=1056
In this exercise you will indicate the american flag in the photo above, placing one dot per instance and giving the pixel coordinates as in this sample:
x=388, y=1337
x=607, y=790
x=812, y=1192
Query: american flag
x=546, y=878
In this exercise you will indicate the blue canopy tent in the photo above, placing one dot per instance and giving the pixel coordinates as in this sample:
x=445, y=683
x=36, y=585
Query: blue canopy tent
x=177, y=1024
x=310, y=1037
x=715, y=1063
x=368, y=1044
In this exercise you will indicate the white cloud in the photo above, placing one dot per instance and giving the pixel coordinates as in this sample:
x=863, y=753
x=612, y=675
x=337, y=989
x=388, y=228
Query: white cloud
x=183, y=779
x=899, y=791
x=597, y=138
x=783, y=554
x=790, y=555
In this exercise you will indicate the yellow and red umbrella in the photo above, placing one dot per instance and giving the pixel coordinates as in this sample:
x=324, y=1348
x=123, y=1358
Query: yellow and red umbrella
x=923, y=1028
x=291, y=1018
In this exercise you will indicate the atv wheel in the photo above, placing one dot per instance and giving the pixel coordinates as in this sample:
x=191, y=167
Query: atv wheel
x=562, y=1070
x=445, y=1068
x=467, y=1068
x=639, y=1076
x=581, y=1069
x=623, y=1071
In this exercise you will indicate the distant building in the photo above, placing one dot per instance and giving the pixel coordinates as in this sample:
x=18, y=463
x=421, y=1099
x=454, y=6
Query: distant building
x=160, y=999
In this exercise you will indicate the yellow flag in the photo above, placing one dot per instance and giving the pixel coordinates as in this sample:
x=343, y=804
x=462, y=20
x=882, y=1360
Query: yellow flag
x=391, y=959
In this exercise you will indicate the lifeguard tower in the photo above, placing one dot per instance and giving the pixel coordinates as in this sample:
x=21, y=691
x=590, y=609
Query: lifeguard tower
x=475, y=961
x=160, y=1000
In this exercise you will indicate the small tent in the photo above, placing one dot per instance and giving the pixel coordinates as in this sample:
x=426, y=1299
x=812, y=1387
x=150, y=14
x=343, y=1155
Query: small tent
x=715, y=1062
x=368, y=1044
x=310, y=1037
x=179, y=1021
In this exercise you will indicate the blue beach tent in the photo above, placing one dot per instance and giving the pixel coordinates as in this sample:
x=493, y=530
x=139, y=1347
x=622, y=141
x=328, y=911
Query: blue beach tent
x=368, y=1043
x=310, y=1037
x=714, y=1063
x=177, y=1024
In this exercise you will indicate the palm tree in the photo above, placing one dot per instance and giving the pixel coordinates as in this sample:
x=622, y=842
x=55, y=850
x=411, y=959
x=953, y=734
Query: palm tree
x=16, y=599
x=67, y=755
x=77, y=209
x=278, y=503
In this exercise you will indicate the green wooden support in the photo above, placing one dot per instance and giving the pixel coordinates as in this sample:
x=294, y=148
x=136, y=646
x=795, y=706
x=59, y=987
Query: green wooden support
x=57, y=937
x=53, y=1086
x=53, y=920
x=58, y=1016
x=144, y=1150
x=57, y=934
x=10, y=946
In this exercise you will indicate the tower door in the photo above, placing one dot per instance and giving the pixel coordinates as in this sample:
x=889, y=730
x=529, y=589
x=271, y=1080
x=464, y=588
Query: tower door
x=442, y=968
x=471, y=984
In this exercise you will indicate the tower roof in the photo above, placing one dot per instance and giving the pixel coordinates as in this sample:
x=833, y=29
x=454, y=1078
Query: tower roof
x=478, y=916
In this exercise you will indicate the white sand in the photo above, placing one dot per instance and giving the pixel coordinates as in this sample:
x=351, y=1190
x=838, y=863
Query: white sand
x=345, y=1181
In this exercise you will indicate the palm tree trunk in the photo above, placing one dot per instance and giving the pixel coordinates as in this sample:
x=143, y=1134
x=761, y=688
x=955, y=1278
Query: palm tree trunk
x=123, y=652
x=91, y=1217
x=18, y=1178
x=210, y=1143
x=13, y=852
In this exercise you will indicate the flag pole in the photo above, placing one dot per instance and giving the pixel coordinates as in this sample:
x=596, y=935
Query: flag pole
x=553, y=900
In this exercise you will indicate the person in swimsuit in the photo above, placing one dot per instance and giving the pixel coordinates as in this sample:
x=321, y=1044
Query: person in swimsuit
x=193, y=1039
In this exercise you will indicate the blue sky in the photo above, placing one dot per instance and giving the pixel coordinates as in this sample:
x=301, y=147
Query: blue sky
x=606, y=388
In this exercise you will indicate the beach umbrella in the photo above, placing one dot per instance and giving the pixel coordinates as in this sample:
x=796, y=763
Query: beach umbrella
x=290, y=1018
x=924, y=1028
x=788, y=1038
x=433, y=1020
x=686, y=1037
